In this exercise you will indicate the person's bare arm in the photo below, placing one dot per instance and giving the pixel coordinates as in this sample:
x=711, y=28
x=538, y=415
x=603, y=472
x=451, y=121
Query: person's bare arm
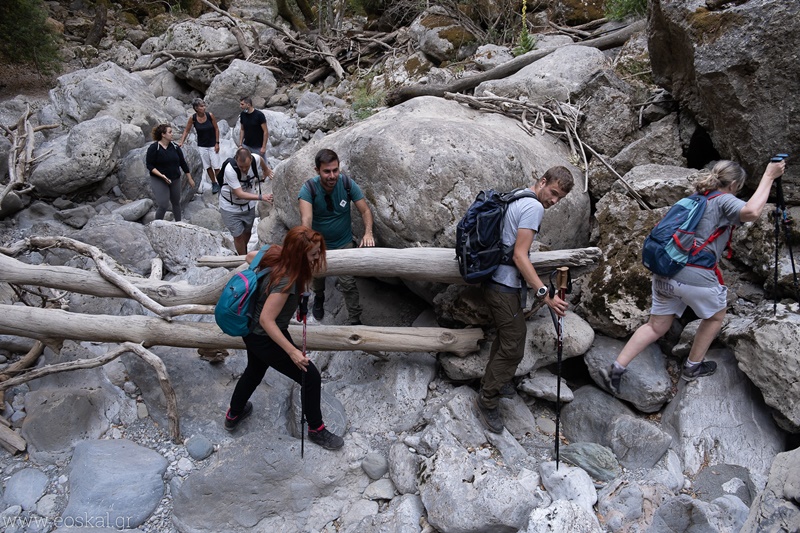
x=755, y=205
x=186, y=131
x=306, y=213
x=523, y=263
x=366, y=215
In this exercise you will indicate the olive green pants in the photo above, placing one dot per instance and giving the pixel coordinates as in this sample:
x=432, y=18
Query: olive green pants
x=347, y=286
x=508, y=347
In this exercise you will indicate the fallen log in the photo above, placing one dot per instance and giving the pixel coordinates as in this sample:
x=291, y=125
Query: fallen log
x=422, y=264
x=610, y=40
x=11, y=441
x=90, y=282
x=46, y=324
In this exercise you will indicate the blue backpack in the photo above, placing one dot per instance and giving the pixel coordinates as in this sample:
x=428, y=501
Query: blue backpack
x=234, y=310
x=479, y=246
x=671, y=244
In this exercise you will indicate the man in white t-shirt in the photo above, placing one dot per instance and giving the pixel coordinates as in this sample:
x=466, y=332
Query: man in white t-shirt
x=503, y=292
x=239, y=194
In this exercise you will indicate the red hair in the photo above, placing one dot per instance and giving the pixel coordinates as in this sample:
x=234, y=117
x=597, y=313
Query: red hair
x=291, y=259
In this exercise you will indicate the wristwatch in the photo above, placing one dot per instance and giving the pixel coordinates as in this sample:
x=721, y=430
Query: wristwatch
x=541, y=292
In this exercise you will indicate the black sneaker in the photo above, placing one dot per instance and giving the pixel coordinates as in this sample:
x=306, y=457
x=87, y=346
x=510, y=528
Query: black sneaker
x=490, y=418
x=353, y=322
x=326, y=439
x=232, y=422
x=508, y=390
x=612, y=378
x=318, y=311
x=705, y=368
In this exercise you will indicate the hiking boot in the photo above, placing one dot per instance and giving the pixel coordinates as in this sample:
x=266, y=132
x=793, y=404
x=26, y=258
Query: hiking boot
x=353, y=322
x=705, y=368
x=214, y=188
x=318, y=311
x=612, y=378
x=508, y=390
x=232, y=422
x=325, y=438
x=490, y=418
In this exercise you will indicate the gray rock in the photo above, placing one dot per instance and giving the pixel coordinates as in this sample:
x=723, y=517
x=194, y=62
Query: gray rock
x=659, y=144
x=327, y=119
x=357, y=512
x=76, y=217
x=589, y=416
x=562, y=515
x=637, y=443
x=199, y=447
x=382, y=489
x=763, y=346
x=558, y=75
x=308, y=103
x=631, y=506
x=375, y=465
x=671, y=476
x=162, y=82
x=403, y=467
x=713, y=482
x=738, y=431
x=462, y=493
x=241, y=78
x=413, y=200
x=25, y=487
x=442, y=36
x=403, y=516
x=660, y=185
x=117, y=479
x=683, y=513
x=775, y=508
x=84, y=156
x=569, y=483
x=180, y=244
x=543, y=384
x=284, y=136
x=134, y=210
x=489, y=56
x=598, y=461
x=125, y=242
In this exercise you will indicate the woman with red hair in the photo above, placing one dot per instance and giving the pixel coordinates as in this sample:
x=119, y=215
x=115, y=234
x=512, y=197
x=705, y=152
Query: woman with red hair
x=269, y=344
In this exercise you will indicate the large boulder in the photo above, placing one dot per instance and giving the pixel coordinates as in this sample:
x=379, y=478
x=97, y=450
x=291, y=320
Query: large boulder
x=421, y=164
x=106, y=89
x=776, y=508
x=765, y=346
x=726, y=66
x=85, y=155
x=241, y=78
x=180, y=245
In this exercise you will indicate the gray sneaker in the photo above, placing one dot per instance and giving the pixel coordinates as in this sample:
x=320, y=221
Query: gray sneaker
x=612, y=378
x=326, y=439
x=706, y=368
x=490, y=418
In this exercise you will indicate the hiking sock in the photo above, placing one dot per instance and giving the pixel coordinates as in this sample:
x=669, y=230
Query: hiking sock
x=320, y=428
x=618, y=368
x=691, y=365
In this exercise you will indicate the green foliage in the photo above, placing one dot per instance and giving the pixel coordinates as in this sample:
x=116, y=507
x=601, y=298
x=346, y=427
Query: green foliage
x=620, y=9
x=26, y=36
x=525, y=44
x=366, y=101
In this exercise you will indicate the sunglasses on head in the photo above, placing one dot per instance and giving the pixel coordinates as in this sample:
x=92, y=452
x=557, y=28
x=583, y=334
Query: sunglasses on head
x=329, y=202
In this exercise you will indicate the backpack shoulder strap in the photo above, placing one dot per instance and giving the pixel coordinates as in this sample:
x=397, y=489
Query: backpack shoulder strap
x=253, y=167
x=257, y=259
x=312, y=189
x=348, y=186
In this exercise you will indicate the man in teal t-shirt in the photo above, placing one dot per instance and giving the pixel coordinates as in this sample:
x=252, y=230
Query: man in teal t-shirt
x=328, y=212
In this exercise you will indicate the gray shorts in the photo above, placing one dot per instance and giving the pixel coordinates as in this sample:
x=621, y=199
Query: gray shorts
x=671, y=297
x=238, y=222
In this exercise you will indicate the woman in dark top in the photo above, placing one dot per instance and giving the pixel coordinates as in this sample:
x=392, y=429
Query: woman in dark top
x=270, y=345
x=205, y=125
x=165, y=161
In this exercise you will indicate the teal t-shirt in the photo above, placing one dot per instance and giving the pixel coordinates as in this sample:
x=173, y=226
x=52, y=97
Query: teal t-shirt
x=283, y=318
x=335, y=224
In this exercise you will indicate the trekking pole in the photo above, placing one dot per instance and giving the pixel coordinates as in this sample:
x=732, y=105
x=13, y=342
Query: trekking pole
x=302, y=313
x=782, y=218
x=563, y=286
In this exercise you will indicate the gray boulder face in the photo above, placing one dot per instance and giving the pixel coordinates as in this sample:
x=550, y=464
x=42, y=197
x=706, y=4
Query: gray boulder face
x=612, y=308
x=569, y=483
x=85, y=155
x=754, y=246
x=240, y=490
x=713, y=482
x=637, y=443
x=308, y=103
x=115, y=479
x=403, y=467
x=326, y=119
x=544, y=384
x=421, y=164
x=646, y=384
x=489, y=56
x=464, y=494
x=109, y=90
x=720, y=419
x=597, y=460
x=241, y=78
x=557, y=76
x=24, y=488
x=684, y=513
x=284, y=138
x=562, y=515
x=180, y=245
x=197, y=36
x=766, y=349
x=442, y=37
x=126, y=242
x=776, y=508
x=403, y=515
x=659, y=185
x=589, y=416
x=697, y=55
x=162, y=82
x=134, y=210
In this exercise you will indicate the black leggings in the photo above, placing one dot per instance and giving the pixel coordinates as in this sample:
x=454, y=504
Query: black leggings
x=262, y=353
x=166, y=194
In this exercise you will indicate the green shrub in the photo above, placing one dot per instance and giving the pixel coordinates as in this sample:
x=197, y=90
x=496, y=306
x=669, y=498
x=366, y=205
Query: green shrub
x=26, y=36
x=366, y=101
x=620, y=9
x=525, y=44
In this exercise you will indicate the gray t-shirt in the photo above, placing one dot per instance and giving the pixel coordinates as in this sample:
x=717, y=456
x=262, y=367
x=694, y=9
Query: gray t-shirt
x=283, y=318
x=525, y=213
x=721, y=211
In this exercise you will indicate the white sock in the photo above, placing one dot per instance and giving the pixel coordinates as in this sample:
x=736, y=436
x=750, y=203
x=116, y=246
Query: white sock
x=691, y=364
